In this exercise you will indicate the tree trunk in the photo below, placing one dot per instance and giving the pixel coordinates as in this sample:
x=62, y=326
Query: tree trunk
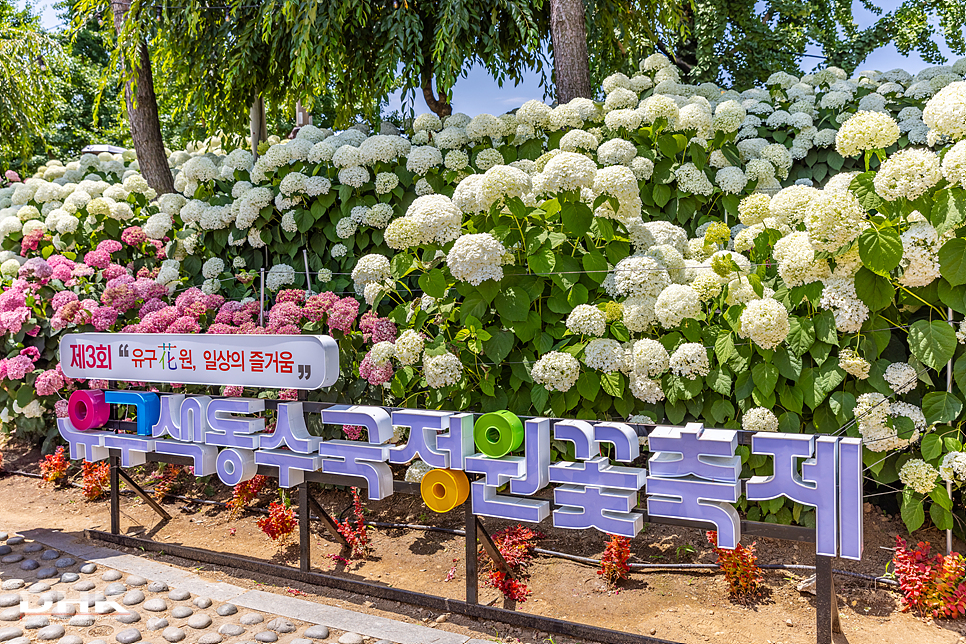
x=571, y=66
x=142, y=111
x=259, y=125
x=439, y=105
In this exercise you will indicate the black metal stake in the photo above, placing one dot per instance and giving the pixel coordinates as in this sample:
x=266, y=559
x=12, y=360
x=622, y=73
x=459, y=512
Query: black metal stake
x=328, y=522
x=305, y=546
x=115, y=496
x=141, y=493
x=472, y=576
x=825, y=600
x=491, y=549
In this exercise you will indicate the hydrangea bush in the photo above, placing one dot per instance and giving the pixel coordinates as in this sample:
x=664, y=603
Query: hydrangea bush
x=782, y=258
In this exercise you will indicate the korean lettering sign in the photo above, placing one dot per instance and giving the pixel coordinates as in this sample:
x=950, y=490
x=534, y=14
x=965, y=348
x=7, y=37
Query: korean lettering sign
x=277, y=361
x=692, y=473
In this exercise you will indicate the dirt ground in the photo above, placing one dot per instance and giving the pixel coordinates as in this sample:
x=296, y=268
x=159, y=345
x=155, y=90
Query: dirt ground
x=689, y=607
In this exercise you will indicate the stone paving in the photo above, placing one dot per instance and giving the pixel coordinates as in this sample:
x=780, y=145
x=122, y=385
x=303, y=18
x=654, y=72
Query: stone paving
x=69, y=596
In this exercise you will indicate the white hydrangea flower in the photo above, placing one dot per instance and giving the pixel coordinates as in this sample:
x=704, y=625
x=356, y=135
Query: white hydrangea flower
x=759, y=419
x=953, y=467
x=920, y=255
x=557, y=371
x=339, y=250
x=157, y=226
x=477, y=258
x=918, y=475
x=442, y=371
x=427, y=122
x=578, y=140
x=866, y=131
x=372, y=268
x=649, y=358
x=534, y=113
x=642, y=168
x=382, y=352
x=386, y=182
x=586, y=319
x=567, y=171
x=853, y=364
x=902, y=377
x=278, y=276
x=604, y=355
x=908, y=174
x=690, y=179
x=354, y=176
x=945, y=113
x=646, y=389
x=616, y=152
x=213, y=268
x=409, y=347
x=658, y=106
x=796, y=261
x=416, y=471
x=836, y=220
x=676, y=303
x=839, y=297
x=731, y=180
x=765, y=322
x=690, y=360
x=640, y=276
x=502, y=182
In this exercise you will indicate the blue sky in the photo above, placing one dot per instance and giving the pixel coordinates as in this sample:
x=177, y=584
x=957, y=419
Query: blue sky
x=477, y=92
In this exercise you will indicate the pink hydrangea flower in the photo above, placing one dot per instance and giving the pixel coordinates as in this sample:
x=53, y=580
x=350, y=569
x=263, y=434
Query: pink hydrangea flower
x=99, y=384
x=288, y=394
x=148, y=289
x=150, y=306
x=97, y=259
x=121, y=297
x=60, y=408
x=232, y=391
x=114, y=271
x=12, y=299
x=110, y=246
x=62, y=298
x=376, y=328
x=18, y=367
x=133, y=236
x=221, y=329
x=284, y=313
x=227, y=311
x=290, y=295
x=31, y=241
x=343, y=314
x=318, y=305
x=32, y=353
x=353, y=432
x=184, y=324
x=375, y=373
x=48, y=383
x=104, y=318
x=81, y=270
x=13, y=321
x=36, y=268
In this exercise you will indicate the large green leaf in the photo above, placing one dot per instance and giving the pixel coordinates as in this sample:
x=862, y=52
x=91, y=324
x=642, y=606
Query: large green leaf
x=949, y=209
x=874, y=290
x=934, y=343
x=952, y=261
x=498, y=347
x=931, y=447
x=513, y=304
x=613, y=383
x=880, y=249
x=596, y=266
x=576, y=218
x=433, y=283
x=941, y=407
x=541, y=261
x=765, y=376
x=801, y=335
x=912, y=510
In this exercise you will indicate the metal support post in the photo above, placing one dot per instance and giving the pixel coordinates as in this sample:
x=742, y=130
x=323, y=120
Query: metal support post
x=328, y=522
x=115, y=494
x=305, y=546
x=826, y=605
x=472, y=576
x=141, y=493
x=491, y=550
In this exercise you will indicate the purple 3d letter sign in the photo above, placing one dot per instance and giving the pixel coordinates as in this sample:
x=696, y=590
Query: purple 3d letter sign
x=693, y=472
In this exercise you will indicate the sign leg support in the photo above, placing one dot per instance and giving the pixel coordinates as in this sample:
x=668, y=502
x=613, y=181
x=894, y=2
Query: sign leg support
x=472, y=576
x=491, y=550
x=327, y=521
x=305, y=545
x=115, y=496
x=141, y=493
x=827, y=611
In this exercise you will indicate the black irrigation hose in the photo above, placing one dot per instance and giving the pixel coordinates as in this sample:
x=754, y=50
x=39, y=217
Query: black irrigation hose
x=550, y=553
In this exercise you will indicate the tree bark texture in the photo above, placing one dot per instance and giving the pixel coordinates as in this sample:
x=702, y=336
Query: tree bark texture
x=439, y=104
x=142, y=111
x=571, y=66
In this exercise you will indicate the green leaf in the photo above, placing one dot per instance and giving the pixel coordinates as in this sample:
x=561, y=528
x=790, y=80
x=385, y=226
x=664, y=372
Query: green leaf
x=941, y=407
x=880, y=250
x=576, y=218
x=662, y=195
x=541, y=261
x=498, y=347
x=825, y=330
x=719, y=380
x=789, y=365
x=801, y=335
x=613, y=383
x=588, y=384
x=539, y=396
x=874, y=290
x=433, y=283
x=596, y=266
x=941, y=496
x=912, y=513
x=765, y=377
x=941, y=517
x=931, y=447
x=24, y=395
x=401, y=265
x=513, y=304
x=949, y=209
x=952, y=261
x=863, y=188
x=724, y=346
x=473, y=306
x=934, y=343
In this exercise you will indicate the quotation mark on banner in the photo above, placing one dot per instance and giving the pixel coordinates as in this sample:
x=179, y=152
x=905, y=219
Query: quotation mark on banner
x=124, y=351
x=305, y=371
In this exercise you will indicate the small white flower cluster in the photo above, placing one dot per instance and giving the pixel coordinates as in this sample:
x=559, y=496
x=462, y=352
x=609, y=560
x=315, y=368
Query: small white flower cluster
x=920, y=255
x=370, y=269
x=901, y=376
x=278, y=276
x=690, y=360
x=853, y=364
x=759, y=419
x=765, y=322
x=477, y=258
x=409, y=346
x=953, y=468
x=430, y=218
x=585, y=319
x=866, y=131
x=604, y=354
x=416, y=471
x=918, y=475
x=557, y=371
x=442, y=371
x=908, y=174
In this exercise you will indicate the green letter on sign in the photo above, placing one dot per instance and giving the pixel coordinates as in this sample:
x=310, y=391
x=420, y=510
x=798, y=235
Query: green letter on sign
x=498, y=433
